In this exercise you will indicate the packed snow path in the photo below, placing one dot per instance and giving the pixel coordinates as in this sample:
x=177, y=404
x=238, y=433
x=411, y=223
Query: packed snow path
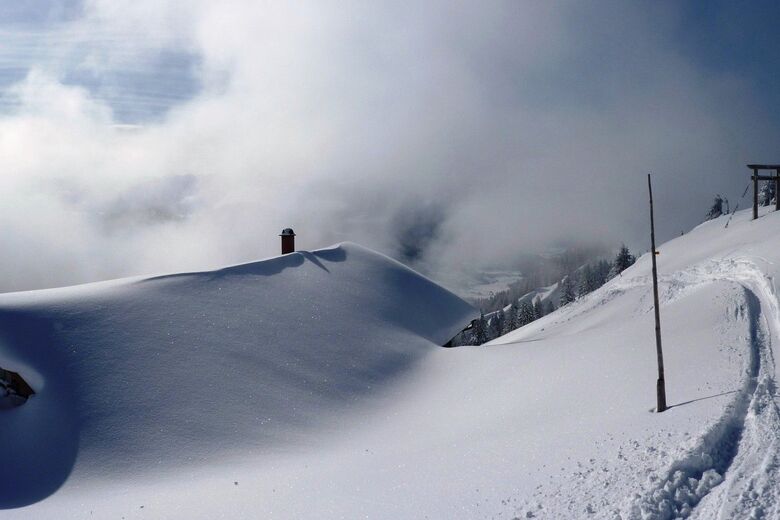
x=731, y=468
x=733, y=471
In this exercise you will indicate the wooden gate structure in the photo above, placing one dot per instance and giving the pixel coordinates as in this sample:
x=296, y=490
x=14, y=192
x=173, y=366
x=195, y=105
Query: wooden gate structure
x=756, y=177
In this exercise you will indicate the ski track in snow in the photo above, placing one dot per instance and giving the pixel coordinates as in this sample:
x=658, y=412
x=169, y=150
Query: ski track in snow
x=734, y=470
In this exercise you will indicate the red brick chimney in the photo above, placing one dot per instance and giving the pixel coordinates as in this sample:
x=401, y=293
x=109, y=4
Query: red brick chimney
x=288, y=240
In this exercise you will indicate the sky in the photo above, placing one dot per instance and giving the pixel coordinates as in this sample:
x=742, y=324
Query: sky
x=150, y=136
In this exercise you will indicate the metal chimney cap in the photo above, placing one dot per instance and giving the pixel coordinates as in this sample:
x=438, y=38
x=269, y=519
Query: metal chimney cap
x=287, y=232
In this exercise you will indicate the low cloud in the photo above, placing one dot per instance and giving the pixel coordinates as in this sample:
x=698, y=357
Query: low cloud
x=159, y=201
x=455, y=136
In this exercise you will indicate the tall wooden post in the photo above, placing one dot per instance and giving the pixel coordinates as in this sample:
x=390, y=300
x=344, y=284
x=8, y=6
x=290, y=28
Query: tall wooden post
x=777, y=189
x=755, y=193
x=660, y=386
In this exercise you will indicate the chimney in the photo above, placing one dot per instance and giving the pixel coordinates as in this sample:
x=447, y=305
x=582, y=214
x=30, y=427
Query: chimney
x=288, y=240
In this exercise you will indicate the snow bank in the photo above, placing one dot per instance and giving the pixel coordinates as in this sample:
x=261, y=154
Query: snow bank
x=151, y=374
x=335, y=402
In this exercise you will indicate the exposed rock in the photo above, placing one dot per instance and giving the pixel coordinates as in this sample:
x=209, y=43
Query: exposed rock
x=14, y=391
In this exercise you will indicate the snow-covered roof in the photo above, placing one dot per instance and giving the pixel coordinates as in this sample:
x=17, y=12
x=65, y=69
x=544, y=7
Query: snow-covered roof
x=188, y=368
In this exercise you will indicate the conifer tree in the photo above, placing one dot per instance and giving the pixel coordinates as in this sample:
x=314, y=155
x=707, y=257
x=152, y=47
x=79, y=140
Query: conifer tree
x=567, y=291
x=526, y=314
x=515, y=315
x=601, y=273
x=623, y=261
x=585, y=284
x=538, y=309
x=509, y=319
x=767, y=193
x=480, y=332
x=716, y=209
x=497, y=324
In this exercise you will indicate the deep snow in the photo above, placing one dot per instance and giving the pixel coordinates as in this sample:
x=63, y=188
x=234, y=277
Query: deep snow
x=143, y=376
x=187, y=396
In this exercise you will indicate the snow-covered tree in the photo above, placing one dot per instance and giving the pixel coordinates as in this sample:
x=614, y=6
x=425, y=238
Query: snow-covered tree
x=586, y=282
x=593, y=276
x=716, y=210
x=480, y=329
x=601, y=273
x=623, y=261
x=508, y=324
x=538, y=308
x=526, y=314
x=513, y=317
x=548, y=307
x=567, y=291
x=766, y=195
x=497, y=324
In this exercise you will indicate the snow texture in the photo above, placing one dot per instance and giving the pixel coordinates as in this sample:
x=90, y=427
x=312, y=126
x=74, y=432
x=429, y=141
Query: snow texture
x=312, y=385
x=140, y=375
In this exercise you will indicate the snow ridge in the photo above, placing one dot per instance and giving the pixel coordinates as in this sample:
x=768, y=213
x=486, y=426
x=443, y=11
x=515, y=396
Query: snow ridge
x=173, y=373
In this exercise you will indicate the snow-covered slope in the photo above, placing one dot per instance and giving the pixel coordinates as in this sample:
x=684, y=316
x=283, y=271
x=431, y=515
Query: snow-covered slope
x=553, y=420
x=147, y=376
x=715, y=453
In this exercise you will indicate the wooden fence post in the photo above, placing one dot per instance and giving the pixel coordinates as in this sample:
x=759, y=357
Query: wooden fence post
x=755, y=193
x=777, y=189
x=660, y=386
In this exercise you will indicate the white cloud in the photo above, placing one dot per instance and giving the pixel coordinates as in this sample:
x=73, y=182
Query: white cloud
x=516, y=123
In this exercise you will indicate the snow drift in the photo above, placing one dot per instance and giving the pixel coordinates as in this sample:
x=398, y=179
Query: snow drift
x=311, y=386
x=147, y=374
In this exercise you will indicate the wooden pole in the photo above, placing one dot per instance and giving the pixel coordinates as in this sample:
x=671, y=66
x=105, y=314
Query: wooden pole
x=755, y=193
x=660, y=386
x=777, y=189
